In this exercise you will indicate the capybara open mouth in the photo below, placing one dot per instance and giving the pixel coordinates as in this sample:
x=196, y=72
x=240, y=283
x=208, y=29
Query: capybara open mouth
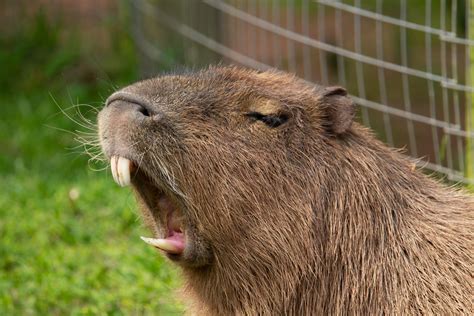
x=172, y=238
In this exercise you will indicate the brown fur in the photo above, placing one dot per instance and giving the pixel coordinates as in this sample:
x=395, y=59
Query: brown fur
x=313, y=217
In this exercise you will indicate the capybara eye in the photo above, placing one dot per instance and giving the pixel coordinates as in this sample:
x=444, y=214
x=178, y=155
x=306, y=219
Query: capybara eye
x=271, y=120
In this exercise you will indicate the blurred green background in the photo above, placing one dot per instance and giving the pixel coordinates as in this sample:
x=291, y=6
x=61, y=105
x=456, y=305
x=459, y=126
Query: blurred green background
x=69, y=237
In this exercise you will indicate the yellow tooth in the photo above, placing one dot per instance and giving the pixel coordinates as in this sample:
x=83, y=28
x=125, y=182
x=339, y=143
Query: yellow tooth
x=162, y=244
x=123, y=171
x=113, y=168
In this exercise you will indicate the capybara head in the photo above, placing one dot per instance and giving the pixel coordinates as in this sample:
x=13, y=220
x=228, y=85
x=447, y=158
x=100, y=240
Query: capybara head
x=222, y=159
x=273, y=201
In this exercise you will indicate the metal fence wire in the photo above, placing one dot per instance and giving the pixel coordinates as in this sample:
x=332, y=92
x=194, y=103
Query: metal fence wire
x=406, y=63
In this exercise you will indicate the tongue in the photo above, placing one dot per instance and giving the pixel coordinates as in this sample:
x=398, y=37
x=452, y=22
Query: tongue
x=173, y=244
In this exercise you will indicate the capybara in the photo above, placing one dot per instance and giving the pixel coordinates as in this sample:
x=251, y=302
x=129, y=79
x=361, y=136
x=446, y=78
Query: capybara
x=274, y=202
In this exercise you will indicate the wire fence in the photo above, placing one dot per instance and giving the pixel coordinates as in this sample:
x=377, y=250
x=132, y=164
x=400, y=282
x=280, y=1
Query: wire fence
x=406, y=64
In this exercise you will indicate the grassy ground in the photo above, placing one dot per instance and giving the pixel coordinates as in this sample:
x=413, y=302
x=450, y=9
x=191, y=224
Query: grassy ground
x=61, y=256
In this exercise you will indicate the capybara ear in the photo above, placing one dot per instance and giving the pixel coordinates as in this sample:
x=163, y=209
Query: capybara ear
x=339, y=109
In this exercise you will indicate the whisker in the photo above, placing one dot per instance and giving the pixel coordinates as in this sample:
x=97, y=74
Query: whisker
x=70, y=117
x=87, y=139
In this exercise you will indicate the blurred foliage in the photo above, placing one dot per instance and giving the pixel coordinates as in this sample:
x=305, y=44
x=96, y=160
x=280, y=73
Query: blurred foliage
x=69, y=238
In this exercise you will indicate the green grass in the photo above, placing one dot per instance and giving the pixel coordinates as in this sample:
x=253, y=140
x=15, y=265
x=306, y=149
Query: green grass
x=60, y=256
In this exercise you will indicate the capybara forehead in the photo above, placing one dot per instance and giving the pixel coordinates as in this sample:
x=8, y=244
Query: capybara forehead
x=225, y=85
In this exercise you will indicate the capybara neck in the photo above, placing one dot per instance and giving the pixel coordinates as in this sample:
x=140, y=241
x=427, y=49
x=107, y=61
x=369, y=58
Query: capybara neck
x=374, y=233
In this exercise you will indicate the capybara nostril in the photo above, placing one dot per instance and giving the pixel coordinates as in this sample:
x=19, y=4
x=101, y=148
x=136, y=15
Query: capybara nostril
x=144, y=111
x=132, y=102
x=128, y=109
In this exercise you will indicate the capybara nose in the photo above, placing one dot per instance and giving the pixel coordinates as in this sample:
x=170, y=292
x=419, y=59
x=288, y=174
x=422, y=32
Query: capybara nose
x=130, y=103
x=128, y=109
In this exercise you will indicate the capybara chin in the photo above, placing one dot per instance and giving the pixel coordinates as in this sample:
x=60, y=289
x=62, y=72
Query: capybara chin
x=274, y=202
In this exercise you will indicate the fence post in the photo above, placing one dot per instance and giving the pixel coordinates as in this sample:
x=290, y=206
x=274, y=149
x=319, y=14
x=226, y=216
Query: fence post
x=470, y=100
